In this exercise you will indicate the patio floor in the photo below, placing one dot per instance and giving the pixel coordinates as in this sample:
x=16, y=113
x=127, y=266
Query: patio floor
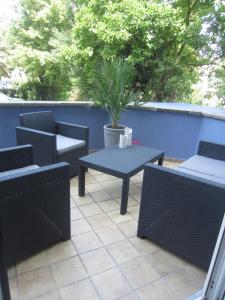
x=104, y=259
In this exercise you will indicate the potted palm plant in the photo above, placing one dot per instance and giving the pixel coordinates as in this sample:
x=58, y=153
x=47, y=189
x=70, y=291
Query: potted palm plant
x=112, y=90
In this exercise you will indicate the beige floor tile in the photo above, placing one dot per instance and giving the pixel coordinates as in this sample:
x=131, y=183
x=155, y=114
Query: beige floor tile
x=13, y=288
x=36, y=280
x=51, y=296
x=183, y=283
x=137, y=197
x=131, y=296
x=139, y=272
x=133, y=189
x=109, y=205
x=109, y=184
x=93, y=187
x=136, y=179
x=86, y=241
x=72, y=203
x=100, y=221
x=82, y=290
x=118, y=218
x=80, y=226
x=170, y=164
x=129, y=228
x=101, y=196
x=134, y=211
x=122, y=251
x=74, y=191
x=144, y=246
x=119, y=182
x=91, y=210
x=111, y=284
x=90, y=179
x=196, y=272
x=75, y=214
x=109, y=234
x=115, y=191
x=139, y=185
x=35, y=262
x=132, y=201
x=61, y=251
x=68, y=271
x=74, y=182
x=35, y=283
x=11, y=272
x=94, y=172
x=85, y=200
x=104, y=177
x=165, y=262
x=97, y=261
x=158, y=290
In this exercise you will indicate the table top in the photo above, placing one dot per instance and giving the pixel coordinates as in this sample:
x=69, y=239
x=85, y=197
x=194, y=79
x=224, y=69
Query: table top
x=121, y=161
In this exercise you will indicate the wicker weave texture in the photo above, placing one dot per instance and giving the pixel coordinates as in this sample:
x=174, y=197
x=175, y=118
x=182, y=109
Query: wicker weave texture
x=34, y=210
x=181, y=212
x=212, y=150
x=44, y=142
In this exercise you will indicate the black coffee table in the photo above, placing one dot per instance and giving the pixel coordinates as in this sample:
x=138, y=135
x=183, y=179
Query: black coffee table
x=122, y=163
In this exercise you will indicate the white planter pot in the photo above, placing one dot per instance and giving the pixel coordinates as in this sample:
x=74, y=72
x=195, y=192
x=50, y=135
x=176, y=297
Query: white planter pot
x=112, y=135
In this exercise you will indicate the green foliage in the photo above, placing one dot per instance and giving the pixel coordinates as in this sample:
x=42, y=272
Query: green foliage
x=59, y=42
x=4, y=52
x=112, y=87
x=162, y=41
x=220, y=72
x=40, y=39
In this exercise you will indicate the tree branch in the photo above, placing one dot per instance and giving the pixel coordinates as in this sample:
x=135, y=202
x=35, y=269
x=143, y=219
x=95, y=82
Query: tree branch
x=190, y=8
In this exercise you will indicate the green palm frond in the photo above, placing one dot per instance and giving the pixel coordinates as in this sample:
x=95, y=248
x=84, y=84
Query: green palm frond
x=112, y=87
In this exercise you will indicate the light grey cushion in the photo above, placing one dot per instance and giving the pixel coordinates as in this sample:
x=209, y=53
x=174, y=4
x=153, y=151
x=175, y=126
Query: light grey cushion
x=201, y=175
x=64, y=143
x=19, y=170
x=205, y=167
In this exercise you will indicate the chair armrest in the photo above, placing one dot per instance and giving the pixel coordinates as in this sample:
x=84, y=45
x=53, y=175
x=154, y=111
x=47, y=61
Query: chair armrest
x=44, y=144
x=16, y=157
x=4, y=282
x=34, y=210
x=73, y=131
x=181, y=212
x=211, y=150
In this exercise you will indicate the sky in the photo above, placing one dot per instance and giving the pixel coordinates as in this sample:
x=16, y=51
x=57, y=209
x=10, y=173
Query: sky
x=7, y=12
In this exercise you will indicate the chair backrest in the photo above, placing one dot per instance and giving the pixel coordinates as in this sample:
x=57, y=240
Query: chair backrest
x=42, y=120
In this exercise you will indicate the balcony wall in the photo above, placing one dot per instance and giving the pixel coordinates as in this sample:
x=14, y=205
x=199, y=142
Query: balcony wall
x=175, y=128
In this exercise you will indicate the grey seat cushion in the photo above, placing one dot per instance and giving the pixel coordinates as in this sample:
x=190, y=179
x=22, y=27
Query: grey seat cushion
x=205, y=167
x=201, y=175
x=19, y=170
x=64, y=143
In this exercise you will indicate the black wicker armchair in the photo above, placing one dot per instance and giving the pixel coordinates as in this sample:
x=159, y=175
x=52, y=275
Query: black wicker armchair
x=182, y=209
x=4, y=283
x=34, y=204
x=53, y=141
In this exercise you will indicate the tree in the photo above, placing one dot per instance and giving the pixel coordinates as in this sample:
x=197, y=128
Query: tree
x=4, y=52
x=162, y=40
x=40, y=39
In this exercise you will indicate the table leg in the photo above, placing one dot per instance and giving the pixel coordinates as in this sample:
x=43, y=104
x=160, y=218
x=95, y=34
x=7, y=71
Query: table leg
x=124, y=198
x=160, y=161
x=81, y=181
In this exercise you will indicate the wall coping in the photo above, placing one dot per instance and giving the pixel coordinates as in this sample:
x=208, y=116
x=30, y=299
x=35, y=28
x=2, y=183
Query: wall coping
x=210, y=112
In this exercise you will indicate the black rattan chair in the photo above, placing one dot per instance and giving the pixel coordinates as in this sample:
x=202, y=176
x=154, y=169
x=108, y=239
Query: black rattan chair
x=53, y=141
x=181, y=209
x=4, y=283
x=34, y=204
